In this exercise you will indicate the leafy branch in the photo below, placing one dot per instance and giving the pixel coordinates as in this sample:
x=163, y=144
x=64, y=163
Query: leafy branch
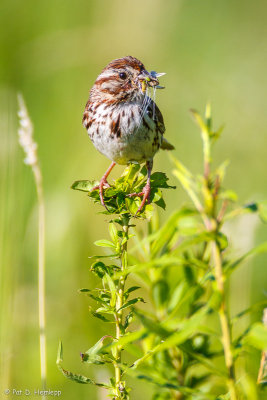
x=113, y=299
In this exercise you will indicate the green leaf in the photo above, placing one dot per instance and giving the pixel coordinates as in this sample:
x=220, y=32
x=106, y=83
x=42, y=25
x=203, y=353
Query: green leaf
x=75, y=377
x=161, y=262
x=84, y=186
x=162, y=383
x=166, y=233
x=113, y=232
x=129, y=337
x=257, y=306
x=99, y=316
x=247, y=208
x=207, y=196
x=215, y=300
x=104, y=243
x=220, y=171
x=112, y=289
x=217, y=134
x=252, y=207
x=97, y=257
x=153, y=326
x=155, y=195
x=189, y=186
x=130, y=172
x=177, y=296
x=111, y=192
x=187, y=328
x=184, y=171
x=222, y=240
x=78, y=378
x=148, y=211
x=199, y=121
x=263, y=210
x=161, y=396
x=160, y=292
x=262, y=248
x=132, y=204
x=131, y=303
x=159, y=180
x=257, y=336
x=99, y=268
x=248, y=387
x=92, y=355
x=60, y=352
x=99, y=299
x=228, y=195
x=134, y=350
x=207, y=363
x=130, y=290
x=161, y=203
x=128, y=319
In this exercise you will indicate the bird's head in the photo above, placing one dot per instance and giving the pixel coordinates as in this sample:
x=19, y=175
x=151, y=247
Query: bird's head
x=124, y=79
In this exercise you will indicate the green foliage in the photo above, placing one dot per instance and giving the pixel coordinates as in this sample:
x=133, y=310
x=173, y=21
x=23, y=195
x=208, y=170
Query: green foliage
x=182, y=338
x=132, y=180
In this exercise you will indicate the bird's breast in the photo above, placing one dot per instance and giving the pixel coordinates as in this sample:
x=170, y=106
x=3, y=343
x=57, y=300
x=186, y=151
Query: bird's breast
x=122, y=132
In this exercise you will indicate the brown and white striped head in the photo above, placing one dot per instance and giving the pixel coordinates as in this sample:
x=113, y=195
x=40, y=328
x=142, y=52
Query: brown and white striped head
x=123, y=79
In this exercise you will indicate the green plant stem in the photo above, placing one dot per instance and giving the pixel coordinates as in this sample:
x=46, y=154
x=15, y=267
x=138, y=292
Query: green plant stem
x=212, y=224
x=223, y=315
x=119, y=303
x=224, y=321
x=206, y=150
x=263, y=362
x=41, y=269
x=219, y=276
x=176, y=363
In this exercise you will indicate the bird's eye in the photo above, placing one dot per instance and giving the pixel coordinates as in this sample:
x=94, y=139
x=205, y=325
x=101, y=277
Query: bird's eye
x=122, y=75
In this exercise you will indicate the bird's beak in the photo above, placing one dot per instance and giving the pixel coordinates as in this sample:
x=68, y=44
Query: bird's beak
x=146, y=79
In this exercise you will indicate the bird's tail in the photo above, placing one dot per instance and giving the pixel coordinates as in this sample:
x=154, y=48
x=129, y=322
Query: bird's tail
x=165, y=145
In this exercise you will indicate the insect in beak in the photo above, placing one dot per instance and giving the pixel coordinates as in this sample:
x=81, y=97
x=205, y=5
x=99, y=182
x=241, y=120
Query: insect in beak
x=149, y=79
x=143, y=86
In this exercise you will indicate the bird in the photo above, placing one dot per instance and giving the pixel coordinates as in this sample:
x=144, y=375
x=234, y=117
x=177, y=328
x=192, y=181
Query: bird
x=123, y=121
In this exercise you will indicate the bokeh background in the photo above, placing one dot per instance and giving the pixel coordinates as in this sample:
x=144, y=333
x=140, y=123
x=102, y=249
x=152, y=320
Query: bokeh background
x=51, y=52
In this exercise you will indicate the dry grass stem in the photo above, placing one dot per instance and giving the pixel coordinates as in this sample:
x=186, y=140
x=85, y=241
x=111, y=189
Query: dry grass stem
x=29, y=146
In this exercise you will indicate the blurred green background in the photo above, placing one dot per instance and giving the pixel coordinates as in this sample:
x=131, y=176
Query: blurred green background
x=52, y=51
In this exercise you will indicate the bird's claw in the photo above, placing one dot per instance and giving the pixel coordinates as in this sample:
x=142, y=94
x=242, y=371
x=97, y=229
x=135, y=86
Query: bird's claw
x=103, y=184
x=145, y=194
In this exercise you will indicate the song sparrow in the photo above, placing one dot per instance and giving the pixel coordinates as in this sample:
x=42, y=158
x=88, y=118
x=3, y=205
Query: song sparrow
x=122, y=120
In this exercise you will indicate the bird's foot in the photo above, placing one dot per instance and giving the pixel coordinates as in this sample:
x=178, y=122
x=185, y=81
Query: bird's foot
x=145, y=194
x=103, y=184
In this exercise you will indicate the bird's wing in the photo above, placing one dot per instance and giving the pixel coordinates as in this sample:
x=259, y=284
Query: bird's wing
x=155, y=113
